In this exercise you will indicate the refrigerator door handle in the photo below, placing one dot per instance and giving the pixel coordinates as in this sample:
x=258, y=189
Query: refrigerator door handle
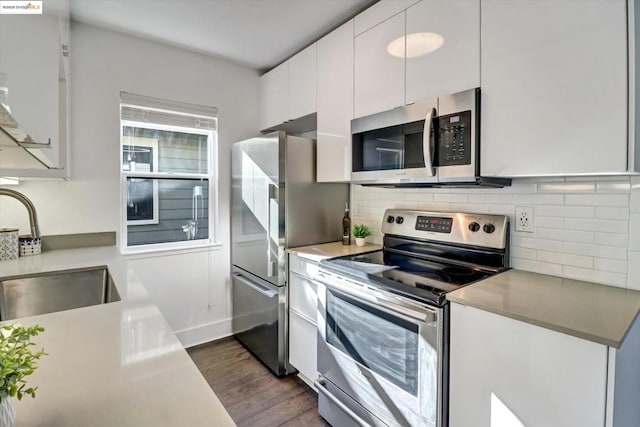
x=272, y=266
x=269, y=293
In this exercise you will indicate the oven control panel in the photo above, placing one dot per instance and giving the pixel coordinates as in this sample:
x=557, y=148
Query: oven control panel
x=483, y=230
x=437, y=224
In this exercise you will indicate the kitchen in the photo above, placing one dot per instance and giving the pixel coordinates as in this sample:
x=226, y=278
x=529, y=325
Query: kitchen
x=584, y=202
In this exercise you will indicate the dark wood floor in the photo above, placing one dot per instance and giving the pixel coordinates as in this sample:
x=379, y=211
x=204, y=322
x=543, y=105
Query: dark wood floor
x=252, y=395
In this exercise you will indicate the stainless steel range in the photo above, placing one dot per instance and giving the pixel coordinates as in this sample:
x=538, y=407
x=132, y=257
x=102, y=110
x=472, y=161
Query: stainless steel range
x=383, y=319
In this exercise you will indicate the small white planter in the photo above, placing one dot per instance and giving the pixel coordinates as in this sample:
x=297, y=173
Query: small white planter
x=7, y=413
x=360, y=241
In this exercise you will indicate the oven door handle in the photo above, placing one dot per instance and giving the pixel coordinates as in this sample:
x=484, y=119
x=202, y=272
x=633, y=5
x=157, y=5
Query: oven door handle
x=428, y=149
x=422, y=315
x=320, y=385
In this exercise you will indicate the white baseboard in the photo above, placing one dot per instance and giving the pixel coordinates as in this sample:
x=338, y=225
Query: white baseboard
x=204, y=333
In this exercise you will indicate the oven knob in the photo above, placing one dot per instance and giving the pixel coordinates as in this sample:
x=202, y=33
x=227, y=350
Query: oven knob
x=474, y=226
x=399, y=220
x=390, y=219
x=489, y=228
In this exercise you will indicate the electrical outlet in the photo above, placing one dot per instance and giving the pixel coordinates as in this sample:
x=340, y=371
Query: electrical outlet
x=524, y=219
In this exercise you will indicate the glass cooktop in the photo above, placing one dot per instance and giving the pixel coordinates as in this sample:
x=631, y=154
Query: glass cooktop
x=406, y=275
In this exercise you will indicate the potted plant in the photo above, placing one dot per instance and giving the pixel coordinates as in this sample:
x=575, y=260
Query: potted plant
x=361, y=232
x=17, y=360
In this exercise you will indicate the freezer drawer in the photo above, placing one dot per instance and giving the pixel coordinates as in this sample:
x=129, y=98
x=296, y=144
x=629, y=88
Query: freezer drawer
x=259, y=319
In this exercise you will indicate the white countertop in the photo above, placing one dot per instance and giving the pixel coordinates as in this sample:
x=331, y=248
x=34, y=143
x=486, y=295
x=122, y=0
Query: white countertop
x=116, y=364
x=598, y=313
x=332, y=250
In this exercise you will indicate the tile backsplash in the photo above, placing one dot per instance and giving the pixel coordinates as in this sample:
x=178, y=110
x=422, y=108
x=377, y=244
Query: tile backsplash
x=585, y=228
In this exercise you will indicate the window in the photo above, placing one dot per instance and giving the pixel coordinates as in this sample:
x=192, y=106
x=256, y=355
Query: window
x=168, y=173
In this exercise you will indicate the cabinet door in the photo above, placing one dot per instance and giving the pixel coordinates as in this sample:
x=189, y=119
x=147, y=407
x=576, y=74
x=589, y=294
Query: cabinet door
x=379, y=12
x=335, y=105
x=302, y=83
x=274, y=96
x=455, y=65
x=379, y=75
x=303, y=346
x=554, y=87
x=303, y=296
x=30, y=57
x=506, y=372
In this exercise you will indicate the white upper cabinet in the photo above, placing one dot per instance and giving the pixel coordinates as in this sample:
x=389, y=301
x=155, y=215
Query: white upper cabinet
x=288, y=92
x=34, y=76
x=335, y=104
x=379, y=75
x=379, y=12
x=302, y=83
x=554, y=87
x=443, y=48
x=428, y=50
x=274, y=96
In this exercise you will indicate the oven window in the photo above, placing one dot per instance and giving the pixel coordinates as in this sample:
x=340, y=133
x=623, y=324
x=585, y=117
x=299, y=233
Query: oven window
x=385, y=344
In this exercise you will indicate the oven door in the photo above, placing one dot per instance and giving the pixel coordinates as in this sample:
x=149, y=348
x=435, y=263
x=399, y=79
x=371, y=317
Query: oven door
x=380, y=350
x=395, y=146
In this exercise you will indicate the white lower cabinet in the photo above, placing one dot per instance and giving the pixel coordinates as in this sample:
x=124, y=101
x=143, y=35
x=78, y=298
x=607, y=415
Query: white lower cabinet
x=303, y=346
x=509, y=373
x=303, y=300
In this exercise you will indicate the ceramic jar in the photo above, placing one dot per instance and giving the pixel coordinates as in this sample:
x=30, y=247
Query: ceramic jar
x=9, y=247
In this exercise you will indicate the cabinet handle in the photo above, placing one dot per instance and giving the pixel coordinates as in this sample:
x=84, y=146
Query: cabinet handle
x=428, y=148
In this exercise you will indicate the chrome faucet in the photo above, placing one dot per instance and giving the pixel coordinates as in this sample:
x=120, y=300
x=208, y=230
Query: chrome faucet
x=33, y=218
x=190, y=229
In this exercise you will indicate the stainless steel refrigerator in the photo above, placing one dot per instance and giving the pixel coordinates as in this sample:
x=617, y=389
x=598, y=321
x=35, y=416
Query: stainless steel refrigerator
x=276, y=204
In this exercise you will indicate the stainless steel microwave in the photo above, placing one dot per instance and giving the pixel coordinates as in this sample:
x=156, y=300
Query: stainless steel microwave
x=431, y=142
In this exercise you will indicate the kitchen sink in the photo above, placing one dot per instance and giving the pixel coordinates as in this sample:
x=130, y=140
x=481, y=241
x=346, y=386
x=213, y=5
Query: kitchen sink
x=22, y=296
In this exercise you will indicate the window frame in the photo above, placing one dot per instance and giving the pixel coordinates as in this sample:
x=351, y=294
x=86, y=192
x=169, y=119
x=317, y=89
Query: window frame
x=211, y=176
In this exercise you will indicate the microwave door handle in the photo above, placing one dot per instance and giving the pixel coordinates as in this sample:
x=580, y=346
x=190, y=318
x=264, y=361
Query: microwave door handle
x=428, y=149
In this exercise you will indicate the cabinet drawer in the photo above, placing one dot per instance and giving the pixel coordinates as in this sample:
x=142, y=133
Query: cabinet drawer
x=303, y=346
x=302, y=266
x=303, y=296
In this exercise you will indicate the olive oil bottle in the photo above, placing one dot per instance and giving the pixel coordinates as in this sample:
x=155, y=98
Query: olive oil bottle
x=346, y=227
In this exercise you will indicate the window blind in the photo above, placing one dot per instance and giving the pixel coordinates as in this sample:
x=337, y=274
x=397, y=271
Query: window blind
x=160, y=111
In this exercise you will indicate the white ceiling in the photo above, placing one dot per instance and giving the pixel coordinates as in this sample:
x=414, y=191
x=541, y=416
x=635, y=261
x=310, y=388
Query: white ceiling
x=256, y=33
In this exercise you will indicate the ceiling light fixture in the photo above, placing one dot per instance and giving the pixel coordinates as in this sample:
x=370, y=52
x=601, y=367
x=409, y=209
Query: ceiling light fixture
x=417, y=44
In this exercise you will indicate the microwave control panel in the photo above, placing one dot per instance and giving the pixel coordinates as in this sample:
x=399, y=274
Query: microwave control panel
x=454, y=139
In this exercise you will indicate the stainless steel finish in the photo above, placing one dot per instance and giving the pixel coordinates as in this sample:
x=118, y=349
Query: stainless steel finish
x=450, y=104
x=277, y=203
x=391, y=404
x=322, y=390
x=460, y=232
x=428, y=147
x=467, y=175
x=269, y=293
x=410, y=113
x=31, y=209
x=396, y=306
x=22, y=296
x=260, y=319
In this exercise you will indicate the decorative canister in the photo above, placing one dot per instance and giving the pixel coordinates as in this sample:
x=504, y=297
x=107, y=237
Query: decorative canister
x=8, y=243
x=30, y=245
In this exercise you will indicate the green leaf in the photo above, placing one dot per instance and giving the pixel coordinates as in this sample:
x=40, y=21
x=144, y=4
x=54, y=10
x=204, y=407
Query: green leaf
x=17, y=360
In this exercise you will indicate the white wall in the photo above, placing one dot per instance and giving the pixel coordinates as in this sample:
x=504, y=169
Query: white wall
x=103, y=63
x=586, y=228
